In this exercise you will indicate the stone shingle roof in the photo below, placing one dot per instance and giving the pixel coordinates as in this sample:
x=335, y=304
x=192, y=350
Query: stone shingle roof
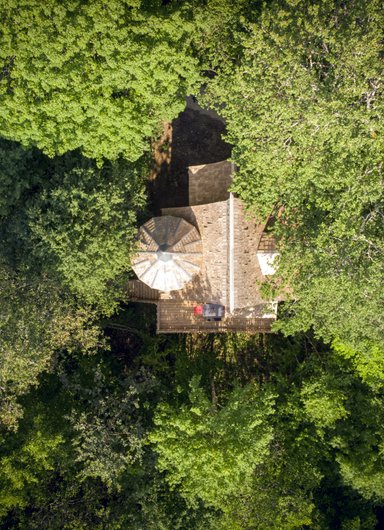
x=213, y=283
x=211, y=221
x=209, y=183
x=230, y=272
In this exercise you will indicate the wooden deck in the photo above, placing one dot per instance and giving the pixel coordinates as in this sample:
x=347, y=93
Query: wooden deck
x=178, y=317
x=140, y=292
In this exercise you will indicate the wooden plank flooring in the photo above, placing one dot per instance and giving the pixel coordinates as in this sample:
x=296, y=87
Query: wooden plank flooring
x=140, y=292
x=177, y=317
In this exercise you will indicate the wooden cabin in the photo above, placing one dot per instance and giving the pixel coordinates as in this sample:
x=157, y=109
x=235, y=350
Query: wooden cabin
x=230, y=270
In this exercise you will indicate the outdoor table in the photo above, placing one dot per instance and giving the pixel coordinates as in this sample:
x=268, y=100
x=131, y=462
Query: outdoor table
x=213, y=312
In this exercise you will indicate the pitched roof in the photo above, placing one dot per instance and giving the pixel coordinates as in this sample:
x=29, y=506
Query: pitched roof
x=230, y=272
x=213, y=284
x=209, y=183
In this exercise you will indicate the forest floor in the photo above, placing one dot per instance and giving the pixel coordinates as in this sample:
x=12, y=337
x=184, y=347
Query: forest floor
x=195, y=137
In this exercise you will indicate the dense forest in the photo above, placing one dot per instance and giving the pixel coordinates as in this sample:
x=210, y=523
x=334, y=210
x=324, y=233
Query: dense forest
x=103, y=423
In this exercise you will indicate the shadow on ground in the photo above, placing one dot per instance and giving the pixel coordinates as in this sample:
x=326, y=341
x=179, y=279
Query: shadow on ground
x=196, y=139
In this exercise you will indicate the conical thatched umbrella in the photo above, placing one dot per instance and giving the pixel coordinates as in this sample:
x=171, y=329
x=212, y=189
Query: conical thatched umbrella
x=170, y=253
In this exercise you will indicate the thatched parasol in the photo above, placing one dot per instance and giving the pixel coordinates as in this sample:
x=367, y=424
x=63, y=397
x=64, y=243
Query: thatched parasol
x=170, y=253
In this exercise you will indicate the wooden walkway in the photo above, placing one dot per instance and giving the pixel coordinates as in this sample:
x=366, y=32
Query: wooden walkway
x=178, y=317
x=140, y=292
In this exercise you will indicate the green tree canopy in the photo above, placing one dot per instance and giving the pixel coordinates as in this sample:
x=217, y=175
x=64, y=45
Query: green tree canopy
x=302, y=96
x=96, y=76
x=82, y=226
x=299, y=445
x=24, y=466
x=36, y=319
x=70, y=220
x=217, y=432
x=210, y=454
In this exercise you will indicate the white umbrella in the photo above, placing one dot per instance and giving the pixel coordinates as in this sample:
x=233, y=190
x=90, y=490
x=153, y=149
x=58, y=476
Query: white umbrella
x=268, y=262
x=170, y=253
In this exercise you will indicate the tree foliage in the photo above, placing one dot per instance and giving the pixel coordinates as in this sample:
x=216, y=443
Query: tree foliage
x=280, y=452
x=226, y=431
x=93, y=76
x=210, y=454
x=36, y=319
x=110, y=425
x=18, y=173
x=72, y=221
x=302, y=97
x=84, y=221
x=24, y=467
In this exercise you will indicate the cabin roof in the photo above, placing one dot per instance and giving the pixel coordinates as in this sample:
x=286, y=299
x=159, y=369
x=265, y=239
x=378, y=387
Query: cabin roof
x=209, y=183
x=213, y=283
x=230, y=274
